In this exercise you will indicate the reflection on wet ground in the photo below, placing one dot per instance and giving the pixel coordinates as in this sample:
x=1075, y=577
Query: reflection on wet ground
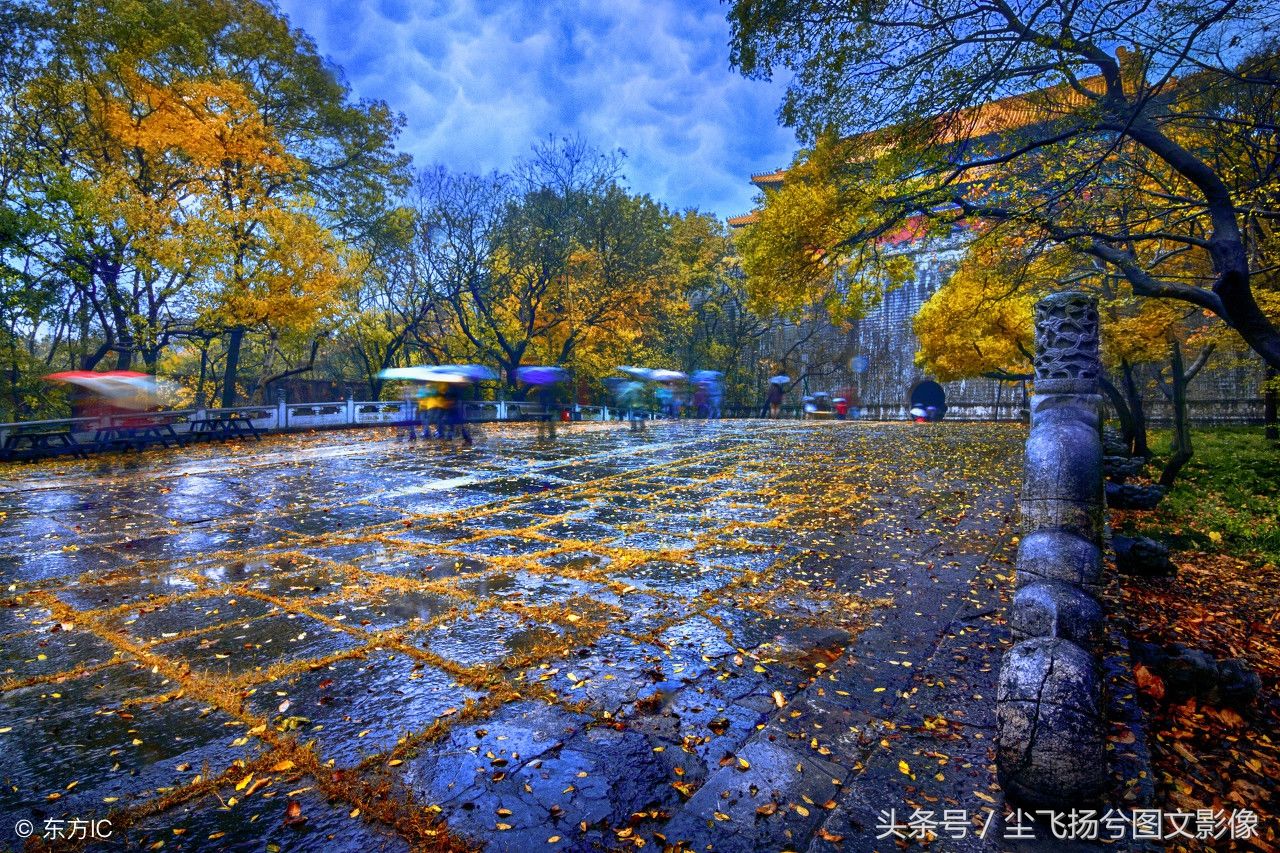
x=342, y=641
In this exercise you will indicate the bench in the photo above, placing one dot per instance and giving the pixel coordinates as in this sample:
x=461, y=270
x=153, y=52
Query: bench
x=41, y=440
x=137, y=432
x=222, y=427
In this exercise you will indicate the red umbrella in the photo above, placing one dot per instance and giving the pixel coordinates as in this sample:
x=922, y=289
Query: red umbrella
x=126, y=388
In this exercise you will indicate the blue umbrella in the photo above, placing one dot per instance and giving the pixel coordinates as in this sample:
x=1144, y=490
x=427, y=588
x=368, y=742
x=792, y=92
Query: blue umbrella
x=541, y=374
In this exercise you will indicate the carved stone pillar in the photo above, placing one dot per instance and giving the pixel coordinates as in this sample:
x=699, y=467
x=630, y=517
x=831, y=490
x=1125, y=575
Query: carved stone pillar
x=1051, y=733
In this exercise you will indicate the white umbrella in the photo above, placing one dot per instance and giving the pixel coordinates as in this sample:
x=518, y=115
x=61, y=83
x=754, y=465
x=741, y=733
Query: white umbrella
x=668, y=375
x=779, y=379
x=394, y=373
x=917, y=412
x=475, y=372
x=426, y=374
x=638, y=372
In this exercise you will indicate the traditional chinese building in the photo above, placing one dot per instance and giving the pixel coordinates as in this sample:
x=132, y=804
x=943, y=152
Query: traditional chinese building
x=881, y=372
x=885, y=382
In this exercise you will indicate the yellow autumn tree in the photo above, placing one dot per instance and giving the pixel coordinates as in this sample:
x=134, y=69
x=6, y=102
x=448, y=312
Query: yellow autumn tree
x=818, y=240
x=979, y=322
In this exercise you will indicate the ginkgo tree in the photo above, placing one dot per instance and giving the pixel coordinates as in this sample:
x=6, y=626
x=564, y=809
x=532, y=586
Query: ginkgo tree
x=928, y=115
x=170, y=143
x=980, y=323
x=554, y=262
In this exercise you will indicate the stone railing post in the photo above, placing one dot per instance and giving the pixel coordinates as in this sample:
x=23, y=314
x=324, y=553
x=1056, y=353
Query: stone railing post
x=1049, y=704
x=282, y=411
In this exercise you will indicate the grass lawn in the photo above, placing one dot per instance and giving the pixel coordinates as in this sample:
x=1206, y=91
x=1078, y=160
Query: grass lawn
x=1227, y=499
x=1220, y=521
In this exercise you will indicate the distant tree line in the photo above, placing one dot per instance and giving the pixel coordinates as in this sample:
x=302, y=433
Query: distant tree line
x=189, y=190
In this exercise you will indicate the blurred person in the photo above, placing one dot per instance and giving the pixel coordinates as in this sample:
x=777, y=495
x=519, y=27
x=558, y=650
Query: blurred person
x=633, y=403
x=663, y=394
x=543, y=382
x=700, y=395
x=409, y=412
x=774, y=399
x=431, y=405
x=548, y=395
x=454, y=414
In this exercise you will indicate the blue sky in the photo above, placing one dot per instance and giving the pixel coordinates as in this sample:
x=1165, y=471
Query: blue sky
x=480, y=81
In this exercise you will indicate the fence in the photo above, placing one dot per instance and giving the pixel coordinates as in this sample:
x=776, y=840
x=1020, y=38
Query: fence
x=281, y=416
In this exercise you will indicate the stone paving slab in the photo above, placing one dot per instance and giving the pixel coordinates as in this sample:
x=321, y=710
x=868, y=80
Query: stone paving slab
x=725, y=636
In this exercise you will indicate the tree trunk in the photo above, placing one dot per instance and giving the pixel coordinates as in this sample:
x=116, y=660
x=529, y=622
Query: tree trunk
x=233, y=364
x=1181, y=449
x=204, y=369
x=1123, y=414
x=1133, y=395
x=91, y=360
x=285, y=374
x=1269, y=400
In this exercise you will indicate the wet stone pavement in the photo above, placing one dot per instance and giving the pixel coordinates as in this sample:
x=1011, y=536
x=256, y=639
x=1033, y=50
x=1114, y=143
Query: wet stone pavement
x=735, y=636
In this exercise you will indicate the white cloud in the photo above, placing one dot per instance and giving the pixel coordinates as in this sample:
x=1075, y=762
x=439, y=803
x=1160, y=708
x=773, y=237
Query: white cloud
x=480, y=81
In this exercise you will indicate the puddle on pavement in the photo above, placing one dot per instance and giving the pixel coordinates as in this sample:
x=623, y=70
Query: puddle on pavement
x=684, y=580
x=75, y=740
x=480, y=639
x=374, y=612
x=51, y=649
x=152, y=621
x=257, y=822
x=236, y=649
x=346, y=706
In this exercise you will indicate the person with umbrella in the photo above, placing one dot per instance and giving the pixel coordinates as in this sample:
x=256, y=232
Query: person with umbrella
x=712, y=391
x=112, y=395
x=667, y=392
x=454, y=408
x=543, y=381
x=630, y=394
x=441, y=399
x=775, y=394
